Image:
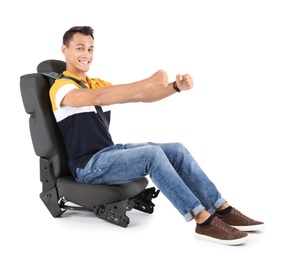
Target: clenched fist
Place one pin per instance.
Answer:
(184, 82)
(158, 80)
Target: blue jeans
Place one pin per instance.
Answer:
(170, 166)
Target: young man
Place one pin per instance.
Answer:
(94, 158)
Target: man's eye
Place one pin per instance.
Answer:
(90, 50)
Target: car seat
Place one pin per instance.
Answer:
(60, 192)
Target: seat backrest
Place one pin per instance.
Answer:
(46, 137)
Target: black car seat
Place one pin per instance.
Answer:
(60, 191)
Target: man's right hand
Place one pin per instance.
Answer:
(158, 80)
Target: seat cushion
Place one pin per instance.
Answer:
(88, 195)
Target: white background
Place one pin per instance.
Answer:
(232, 121)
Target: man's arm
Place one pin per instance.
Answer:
(151, 89)
(183, 82)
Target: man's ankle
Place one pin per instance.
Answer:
(207, 221)
(202, 216)
(225, 211)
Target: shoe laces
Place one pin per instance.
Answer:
(223, 225)
(238, 213)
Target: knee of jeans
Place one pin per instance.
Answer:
(154, 152)
(179, 148)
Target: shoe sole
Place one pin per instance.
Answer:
(250, 228)
(233, 242)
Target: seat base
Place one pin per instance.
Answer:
(114, 213)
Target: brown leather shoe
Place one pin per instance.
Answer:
(220, 232)
(238, 220)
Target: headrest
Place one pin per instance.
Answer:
(51, 65)
(57, 66)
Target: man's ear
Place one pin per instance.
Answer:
(63, 48)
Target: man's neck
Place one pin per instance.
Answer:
(79, 73)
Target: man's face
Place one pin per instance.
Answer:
(79, 53)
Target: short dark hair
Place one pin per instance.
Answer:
(86, 30)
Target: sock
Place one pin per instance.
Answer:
(206, 222)
(225, 211)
